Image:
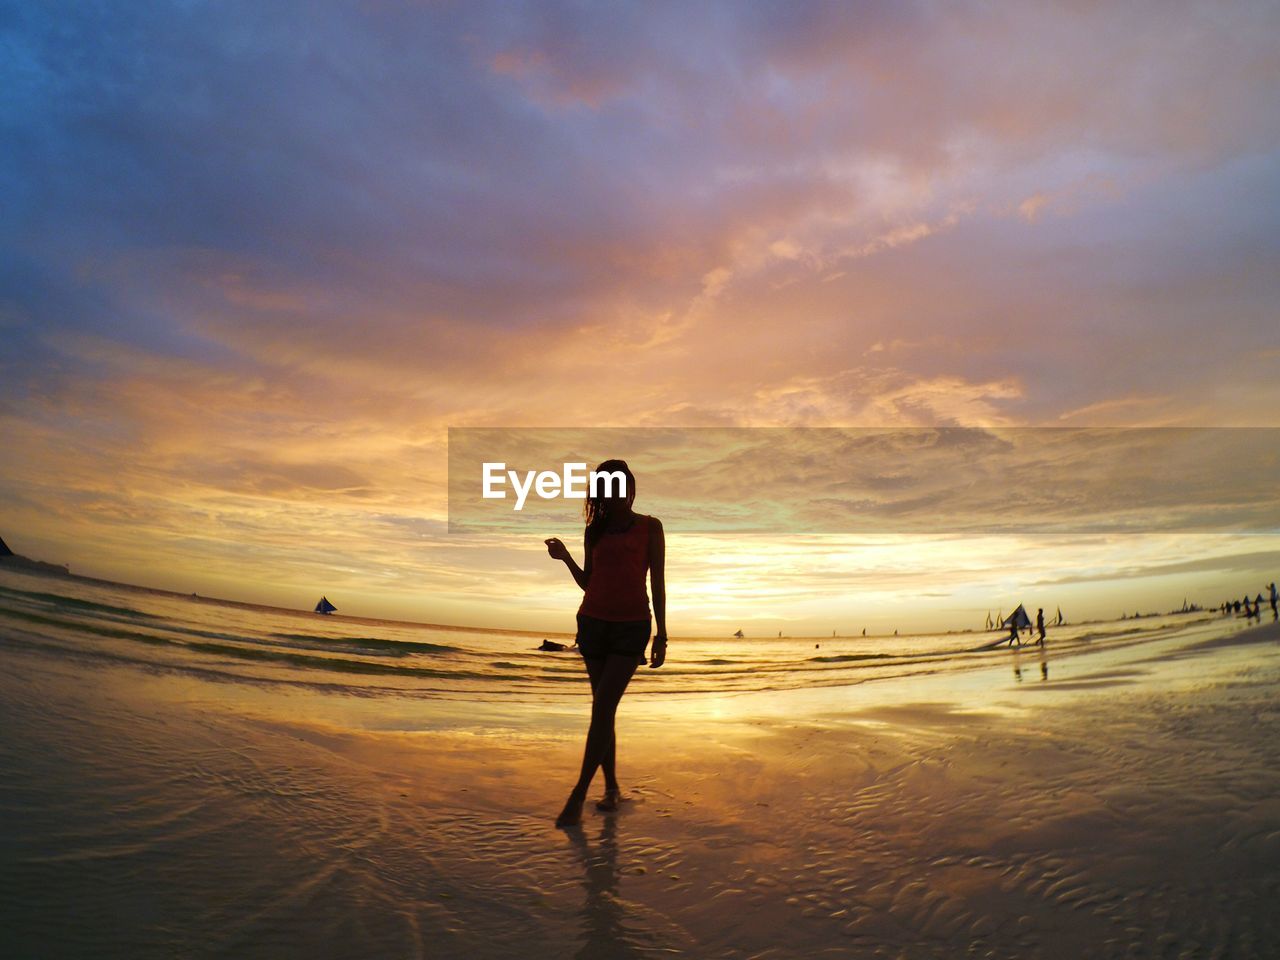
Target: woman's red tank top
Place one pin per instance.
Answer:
(619, 565)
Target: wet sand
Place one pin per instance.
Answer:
(1121, 805)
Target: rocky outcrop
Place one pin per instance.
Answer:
(12, 561)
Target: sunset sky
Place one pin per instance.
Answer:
(258, 258)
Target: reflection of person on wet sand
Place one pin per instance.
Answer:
(620, 547)
(603, 912)
(1017, 664)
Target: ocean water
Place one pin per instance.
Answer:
(372, 658)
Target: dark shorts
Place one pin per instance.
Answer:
(599, 638)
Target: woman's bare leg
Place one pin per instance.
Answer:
(609, 765)
(607, 690)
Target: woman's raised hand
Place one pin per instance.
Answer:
(556, 549)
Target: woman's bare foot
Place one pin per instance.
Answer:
(610, 801)
(571, 815)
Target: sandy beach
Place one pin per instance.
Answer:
(1109, 802)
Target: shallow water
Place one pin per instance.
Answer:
(187, 778)
(378, 658)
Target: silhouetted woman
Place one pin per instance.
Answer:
(620, 546)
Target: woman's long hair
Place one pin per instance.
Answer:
(597, 509)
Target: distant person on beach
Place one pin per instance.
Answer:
(1040, 625)
(620, 547)
(1274, 598)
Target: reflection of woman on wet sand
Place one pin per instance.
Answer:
(604, 913)
(620, 546)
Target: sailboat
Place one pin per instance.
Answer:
(324, 606)
(1016, 622)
